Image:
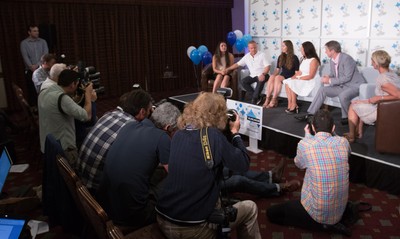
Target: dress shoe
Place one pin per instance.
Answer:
(254, 101)
(277, 172)
(338, 228)
(305, 118)
(344, 121)
(290, 186)
(261, 101)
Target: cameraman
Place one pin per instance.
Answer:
(57, 111)
(192, 188)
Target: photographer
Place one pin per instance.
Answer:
(191, 191)
(57, 111)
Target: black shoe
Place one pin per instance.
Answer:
(261, 100)
(338, 228)
(293, 111)
(304, 117)
(344, 121)
(254, 101)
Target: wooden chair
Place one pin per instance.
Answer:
(95, 214)
(28, 123)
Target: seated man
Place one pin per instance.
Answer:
(258, 66)
(125, 189)
(325, 189)
(102, 135)
(343, 81)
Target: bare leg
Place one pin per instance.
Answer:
(217, 83)
(225, 81)
(360, 129)
(353, 123)
(277, 88)
(269, 89)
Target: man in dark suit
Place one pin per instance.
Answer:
(343, 81)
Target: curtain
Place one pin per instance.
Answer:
(127, 41)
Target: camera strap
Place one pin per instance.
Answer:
(59, 103)
(205, 144)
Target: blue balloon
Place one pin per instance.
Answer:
(207, 58)
(195, 56)
(240, 44)
(231, 38)
(247, 38)
(202, 49)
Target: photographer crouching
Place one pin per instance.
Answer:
(189, 205)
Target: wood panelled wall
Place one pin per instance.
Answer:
(127, 41)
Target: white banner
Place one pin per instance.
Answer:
(250, 118)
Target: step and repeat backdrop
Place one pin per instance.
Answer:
(361, 26)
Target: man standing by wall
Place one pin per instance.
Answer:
(32, 49)
(325, 189)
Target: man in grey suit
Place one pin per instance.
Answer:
(343, 81)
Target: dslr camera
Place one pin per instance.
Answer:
(222, 217)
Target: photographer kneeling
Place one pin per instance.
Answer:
(199, 150)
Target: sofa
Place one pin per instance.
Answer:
(367, 90)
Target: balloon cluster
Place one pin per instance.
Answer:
(237, 39)
(199, 54)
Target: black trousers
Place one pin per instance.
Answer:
(292, 213)
(255, 93)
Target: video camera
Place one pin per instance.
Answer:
(90, 75)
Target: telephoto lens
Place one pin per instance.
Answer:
(231, 113)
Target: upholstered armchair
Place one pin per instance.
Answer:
(387, 131)
(207, 80)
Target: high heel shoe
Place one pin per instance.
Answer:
(293, 111)
(273, 103)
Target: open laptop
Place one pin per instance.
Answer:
(5, 165)
(10, 228)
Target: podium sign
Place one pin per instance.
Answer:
(250, 121)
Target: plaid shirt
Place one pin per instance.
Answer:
(326, 182)
(96, 145)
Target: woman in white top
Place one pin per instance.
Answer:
(387, 88)
(303, 82)
(221, 60)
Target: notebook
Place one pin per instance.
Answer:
(5, 165)
(11, 228)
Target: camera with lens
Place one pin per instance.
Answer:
(222, 217)
(231, 113)
(91, 75)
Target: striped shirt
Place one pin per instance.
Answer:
(95, 147)
(326, 182)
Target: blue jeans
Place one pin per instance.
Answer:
(253, 182)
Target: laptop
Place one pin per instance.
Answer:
(5, 165)
(10, 228)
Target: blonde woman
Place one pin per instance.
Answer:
(190, 193)
(365, 111)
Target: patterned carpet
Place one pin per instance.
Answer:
(381, 222)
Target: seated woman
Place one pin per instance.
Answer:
(288, 64)
(221, 60)
(365, 111)
(303, 82)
